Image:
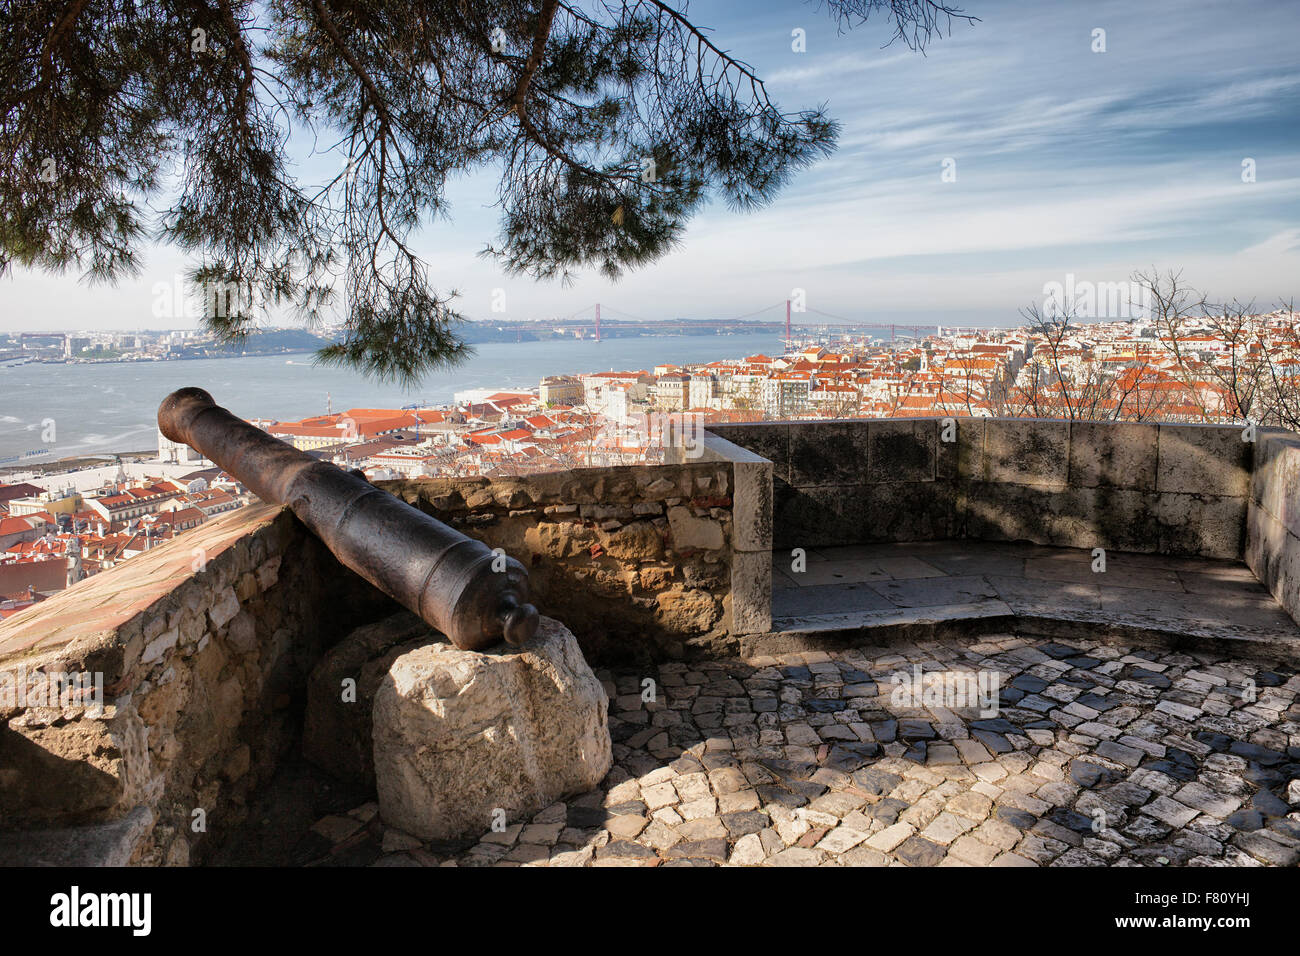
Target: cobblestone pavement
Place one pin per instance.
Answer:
(1097, 756)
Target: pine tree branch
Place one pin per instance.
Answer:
(56, 37)
(241, 52)
(331, 30)
(544, 21)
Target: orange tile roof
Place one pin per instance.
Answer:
(15, 525)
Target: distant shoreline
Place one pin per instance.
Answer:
(157, 361)
(77, 462)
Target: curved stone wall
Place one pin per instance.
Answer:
(1155, 488)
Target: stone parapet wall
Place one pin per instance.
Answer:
(636, 561)
(201, 648)
(1273, 517)
(1169, 489)
(751, 542)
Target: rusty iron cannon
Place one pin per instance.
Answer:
(458, 585)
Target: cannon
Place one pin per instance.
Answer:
(472, 594)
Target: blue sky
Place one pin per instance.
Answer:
(1067, 161)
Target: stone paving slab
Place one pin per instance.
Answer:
(1092, 755)
(871, 588)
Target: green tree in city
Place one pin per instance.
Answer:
(185, 121)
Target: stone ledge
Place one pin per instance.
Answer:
(972, 622)
(93, 621)
(105, 844)
(927, 588)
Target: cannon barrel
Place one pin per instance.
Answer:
(457, 584)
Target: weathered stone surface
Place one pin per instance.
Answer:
(198, 666)
(459, 735)
(341, 690)
(640, 541)
(602, 543)
(769, 440)
(1201, 459)
(687, 610)
(901, 450)
(751, 592)
(1205, 524)
(827, 453)
(690, 531)
(224, 608)
(753, 504)
(82, 770)
(103, 844)
(1272, 548)
(160, 645)
(1073, 484)
(1116, 454)
(1030, 452)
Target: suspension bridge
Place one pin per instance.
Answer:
(586, 322)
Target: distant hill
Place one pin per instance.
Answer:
(475, 332)
(258, 343)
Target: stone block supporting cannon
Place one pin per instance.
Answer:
(456, 584)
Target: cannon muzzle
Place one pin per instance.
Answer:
(457, 584)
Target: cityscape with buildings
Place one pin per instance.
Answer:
(92, 346)
(57, 527)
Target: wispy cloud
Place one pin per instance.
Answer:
(1283, 243)
(1066, 160)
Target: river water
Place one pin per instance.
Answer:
(57, 411)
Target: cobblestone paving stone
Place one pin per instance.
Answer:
(1097, 756)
